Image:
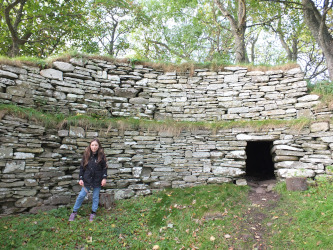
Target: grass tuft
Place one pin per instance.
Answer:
(41, 118)
(261, 67)
(186, 68)
(325, 90)
(60, 121)
(21, 61)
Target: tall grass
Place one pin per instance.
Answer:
(325, 90)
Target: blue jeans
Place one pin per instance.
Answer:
(82, 194)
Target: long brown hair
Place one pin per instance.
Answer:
(88, 153)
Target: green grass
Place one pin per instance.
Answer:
(198, 217)
(23, 60)
(322, 88)
(54, 120)
(162, 65)
(305, 219)
(170, 219)
(325, 90)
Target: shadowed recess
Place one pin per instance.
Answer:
(259, 163)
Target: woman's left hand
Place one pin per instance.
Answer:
(103, 182)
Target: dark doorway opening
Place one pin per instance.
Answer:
(259, 163)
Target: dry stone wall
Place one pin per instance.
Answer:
(39, 166)
(119, 89)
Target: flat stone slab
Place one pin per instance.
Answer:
(296, 184)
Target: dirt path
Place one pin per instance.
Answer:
(262, 200)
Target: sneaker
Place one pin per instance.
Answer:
(92, 217)
(72, 216)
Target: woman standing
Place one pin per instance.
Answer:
(93, 173)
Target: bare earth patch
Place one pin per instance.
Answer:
(255, 223)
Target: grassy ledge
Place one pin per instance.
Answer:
(187, 67)
(61, 121)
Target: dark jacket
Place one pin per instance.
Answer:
(93, 174)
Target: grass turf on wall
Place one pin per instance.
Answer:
(164, 66)
(61, 121)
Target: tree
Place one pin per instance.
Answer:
(181, 31)
(170, 34)
(243, 15)
(297, 41)
(238, 27)
(288, 27)
(252, 40)
(316, 22)
(39, 28)
(112, 22)
(218, 34)
(313, 61)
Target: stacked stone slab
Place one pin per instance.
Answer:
(119, 89)
(39, 166)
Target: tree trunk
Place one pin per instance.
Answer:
(329, 63)
(295, 50)
(238, 28)
(316, 23)
(240, 33)
(14, 49)
(13, 26)
(285, 46)
(240, 46)
(253, 45)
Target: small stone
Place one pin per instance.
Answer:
(296, 184)
(63, 66)
(319, 126)
(6, 153)
(76, 132)
(241, 182)
(8, 74)
(52, 74)
(260, 190)
(27, 202)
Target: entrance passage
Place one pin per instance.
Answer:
(259, 163)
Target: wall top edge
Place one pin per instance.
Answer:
(165, 67)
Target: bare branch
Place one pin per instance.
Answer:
(226, 14)
(263, 23)
(280, 1)
(169, 49)
(241, 13)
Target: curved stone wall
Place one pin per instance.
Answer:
(118, 89)
(39, 166)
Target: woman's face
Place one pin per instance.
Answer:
(94, 146)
